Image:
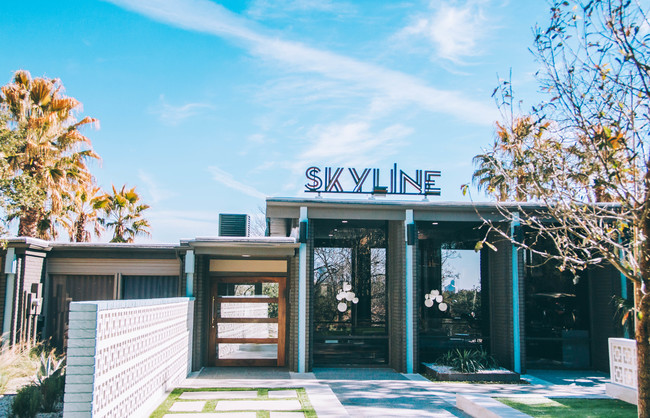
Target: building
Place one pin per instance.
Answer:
(335, 282)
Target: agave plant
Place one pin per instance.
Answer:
(50, 365)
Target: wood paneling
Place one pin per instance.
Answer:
(150, 287)
(214, 320)
(249, 266)
(106, 266)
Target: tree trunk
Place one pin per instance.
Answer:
(28, 226)
(643, 353)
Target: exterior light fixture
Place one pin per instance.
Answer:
(435, 296)
(344, 295)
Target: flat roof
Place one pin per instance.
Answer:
(382, 208)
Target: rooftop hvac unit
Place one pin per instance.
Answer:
(232, 225)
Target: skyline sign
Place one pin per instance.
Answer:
(371, 181)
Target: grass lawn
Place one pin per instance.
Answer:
(262, 394)
(571, 407)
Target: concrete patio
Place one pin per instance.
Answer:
(335, 392)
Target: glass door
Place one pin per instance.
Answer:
(247, 321)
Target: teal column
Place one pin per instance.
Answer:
(409, 294)
(189, 273)
(302, 300)
(516, 333)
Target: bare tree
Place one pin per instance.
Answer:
(582, 155)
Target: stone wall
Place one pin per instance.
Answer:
(124, 355)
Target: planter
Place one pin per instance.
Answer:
(622, 370)
(447, 374)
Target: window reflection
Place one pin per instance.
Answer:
(349, 277)
(451, 298)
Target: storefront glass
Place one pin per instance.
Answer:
(349, 276)
(451, 296)
(557, 317)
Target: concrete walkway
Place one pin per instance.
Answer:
(384, 392)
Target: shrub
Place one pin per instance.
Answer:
(4, 380)
(49, 366)
(52, 388)
(467, 361)
(16, 365)
(27, 402)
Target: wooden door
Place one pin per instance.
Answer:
(247, 321)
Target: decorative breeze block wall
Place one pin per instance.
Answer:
(123, 355)
(622, 362)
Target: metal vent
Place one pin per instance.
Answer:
(233, 225)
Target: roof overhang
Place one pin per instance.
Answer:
(254, 247)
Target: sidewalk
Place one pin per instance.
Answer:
(381, 392)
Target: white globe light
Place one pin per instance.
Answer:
(428, 303)
(355, 300)
(427, 296)
(339, 296)
(347, 286)
(342, 307)
(434, 293)
(442, 307)
(439, 298)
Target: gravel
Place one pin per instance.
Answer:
(5, 404)
(5, 408)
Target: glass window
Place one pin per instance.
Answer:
(349, 276)
(450, 298)
(557, 316)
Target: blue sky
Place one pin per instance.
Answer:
(209, 106)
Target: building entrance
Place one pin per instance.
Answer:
(350, 293)
(247, 321)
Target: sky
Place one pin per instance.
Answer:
(209, 107)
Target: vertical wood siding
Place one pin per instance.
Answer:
(149, 287)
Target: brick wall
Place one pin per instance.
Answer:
(604, 282)
(396, 285)
(201, 305)
(309, 293)
(500, 288)
(416, 317)
(292, 315)
(122, 356)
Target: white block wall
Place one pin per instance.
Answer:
(123, 355)
(622, 362)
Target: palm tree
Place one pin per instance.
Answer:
(82, 212)
(48, 162)
(123, 214)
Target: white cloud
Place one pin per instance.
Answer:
(456, 32)
(351, 145)
(264, 9)
(400, 88)
(228, 180)
(174, 115)
(156, 192)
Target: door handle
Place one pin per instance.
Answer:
(213, 312)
